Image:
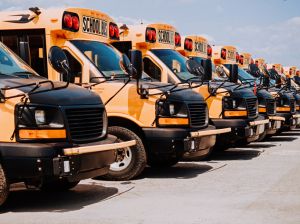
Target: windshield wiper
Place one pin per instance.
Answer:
(23, 74)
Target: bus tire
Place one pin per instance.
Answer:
(4, 186)
(131, 160)
(58, 185)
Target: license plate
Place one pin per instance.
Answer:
(201, 47)
(231, 56)
(166, 37)
(278, 124)
(261, 128)
(94, 26)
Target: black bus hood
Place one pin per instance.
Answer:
(235, 90)
(72, 95)
(179, 93)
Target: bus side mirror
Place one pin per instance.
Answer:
(207, 65)
(195, 68)
(234, 73)
(2, 96)
(136, 59)
(127, 66)
(59, 60)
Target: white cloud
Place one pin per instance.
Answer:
(278, 42)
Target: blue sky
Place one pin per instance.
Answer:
(269, 28)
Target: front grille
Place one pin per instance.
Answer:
(197, 114)
(251, 105)
(293, 106)
(271, 107)
(85, 124)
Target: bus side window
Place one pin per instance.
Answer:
(152, 69)
(11, 41)
(76, 69)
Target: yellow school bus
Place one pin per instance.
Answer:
(167, 122)
(45, 139)
(163, 62)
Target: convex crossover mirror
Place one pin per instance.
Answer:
(195, 68)
(126, 65)
(59, 60)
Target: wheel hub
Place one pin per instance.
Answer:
(124, 158)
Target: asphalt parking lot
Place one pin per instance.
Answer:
(259, 183)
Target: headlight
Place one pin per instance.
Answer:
(171, 109)
(233, 104)
(40, 117)
(172, 113)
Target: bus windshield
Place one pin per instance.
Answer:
(12, 65)
(102, 55)
(175, 62)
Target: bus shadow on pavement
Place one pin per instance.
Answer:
(236, 154)
(38, 201)
(182, 170)
(290, 134)
(281, 138)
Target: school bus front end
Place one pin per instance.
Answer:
(53, 134)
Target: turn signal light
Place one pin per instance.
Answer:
(188, 44)
(223, 53)
(70, 21)
(209, 50)
(237, 56)
(150, 35)
(177, 40)
(114, 31)
(241, 60)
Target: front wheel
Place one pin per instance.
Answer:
(131, 161)
(4, 186)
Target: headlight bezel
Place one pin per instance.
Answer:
(230, 103)
(176, 112)
(53, 121)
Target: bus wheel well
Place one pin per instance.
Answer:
(123, 122)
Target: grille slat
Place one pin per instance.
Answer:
(251, 105)
(197, 114)
(271, 107)
(85, 124)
